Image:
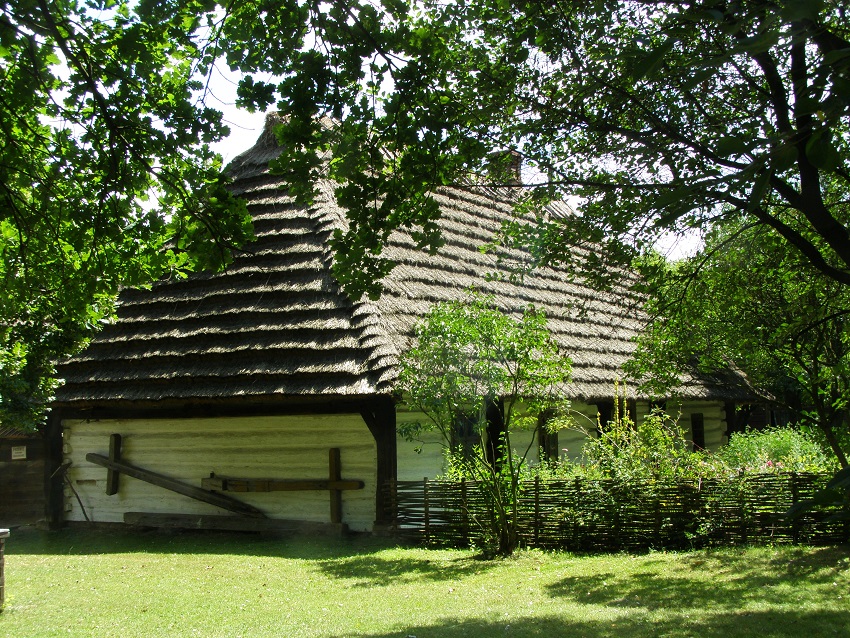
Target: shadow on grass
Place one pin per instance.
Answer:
(83, 541)
(737, 578)
(353, 558)
(375, 571)
(766, 624)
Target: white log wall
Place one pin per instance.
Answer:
(430, 462)
(584, 418)
(714, 415)
(283, 447)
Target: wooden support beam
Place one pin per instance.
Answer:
(113, 476)
(333, 484)
(54, 489)
(380, 417)
(165, 482)
(225, 484)
(334, 473)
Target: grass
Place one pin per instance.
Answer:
(94, 583)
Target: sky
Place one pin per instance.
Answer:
(245, 127)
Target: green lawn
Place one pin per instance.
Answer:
(77, 583)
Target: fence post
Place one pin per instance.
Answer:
(577, 540)
(425, 507)
(743, 499)
(795, 497)
(464, 512)
(537, 522)
(657, 521)
(4, 534)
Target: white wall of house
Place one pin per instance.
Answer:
(430, 462)
(280, 447)
(423, 457)
(714, 417)
(583, 420)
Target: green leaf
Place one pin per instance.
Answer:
(783, 157)
(729, 145)
(797, 10)
(759, 189)
(821, 151)
(653, 60)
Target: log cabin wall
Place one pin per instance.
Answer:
(713, 419)
(268, 447)
(429, 462)
(22, 480)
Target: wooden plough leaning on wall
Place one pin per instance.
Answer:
(247, 517)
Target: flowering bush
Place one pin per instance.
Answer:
(775, 450)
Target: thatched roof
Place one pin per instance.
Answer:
(276, 324)
(13, 433)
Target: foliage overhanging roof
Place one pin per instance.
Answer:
(276, 324)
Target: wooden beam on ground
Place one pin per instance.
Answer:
(231, 523)
(219, 500)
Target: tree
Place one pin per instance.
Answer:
(106, 175)
(475, 370)
(747, 300)
(657, 115)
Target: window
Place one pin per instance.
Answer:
(465, 433)
(698, 431)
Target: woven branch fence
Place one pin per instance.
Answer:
(609, 515)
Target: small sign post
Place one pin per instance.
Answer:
(19, 453)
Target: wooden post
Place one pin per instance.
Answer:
(537, 510)
(54, 487)
(335, 474)
(657, 521)
(796, 520)
(742, 511)
(4, 534)
(113, 475)
(380, 418)
(464, 505)
(425, 505)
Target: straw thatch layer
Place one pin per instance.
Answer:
(276, 323)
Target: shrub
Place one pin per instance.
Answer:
(655, 448)
(775, 450)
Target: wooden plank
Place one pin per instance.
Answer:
(224, 484)
(113, 476)
(334, 471)
(219, 500)
(54, 479)
(230, 523)
(266, 446)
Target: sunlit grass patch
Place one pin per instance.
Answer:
(82, 583)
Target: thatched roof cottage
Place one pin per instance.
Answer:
(256, 372)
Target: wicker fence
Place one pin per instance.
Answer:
(581, 514)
